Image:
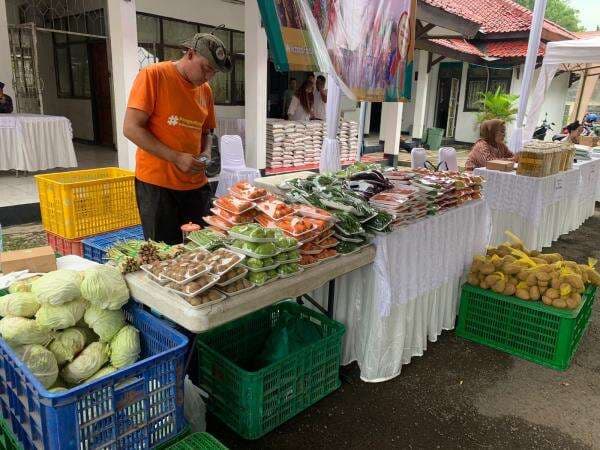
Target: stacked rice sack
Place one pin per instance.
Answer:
(511, 269)
(68, 326)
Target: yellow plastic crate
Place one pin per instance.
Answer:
(81, 203)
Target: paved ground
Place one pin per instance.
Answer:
(458, 395)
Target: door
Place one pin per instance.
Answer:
(452, 107)
(375, 124)
(101, 95)
(24, 59)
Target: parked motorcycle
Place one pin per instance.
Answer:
(540, 132)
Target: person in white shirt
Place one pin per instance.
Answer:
(320, 107)
(301, 106)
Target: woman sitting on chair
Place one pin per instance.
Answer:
(573, 132)
(490, 145)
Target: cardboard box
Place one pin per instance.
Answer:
(590, 141)
(39, 259)
(500, 165)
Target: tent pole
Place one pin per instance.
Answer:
(581, 89)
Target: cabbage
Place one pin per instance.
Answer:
(20, 331)
(104, 322)
(105, 287)
(125, 347)
(20, 304)
(67, 344)
(86, 364)
(59, 317)
(58, 287)
(40, 361)
(22, 285)
(102, 373)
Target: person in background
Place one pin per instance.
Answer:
(6, 104)
(490, 145)
(320, 104)
(170, 116)
(573, 132)
(301, 106)
(288, 94)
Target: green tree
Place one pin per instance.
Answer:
(560, 12)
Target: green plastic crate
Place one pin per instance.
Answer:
(171, 443)
(198, 441)
(530, 330)
(8, 441)
(254, 403)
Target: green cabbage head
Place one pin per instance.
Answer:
(21, 331)
(86, 364)
(68, 343)
(22, 285)
(125, 347)
(105, 287)
(40, 361)
(102, 373)
(104, 322)
(58, 287)
(59, 317)
(20, 304)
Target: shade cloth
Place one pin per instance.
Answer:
(34, 142)
(331, 160)
(539, 210)
(410, 293)
(568, 54)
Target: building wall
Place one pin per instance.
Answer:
(210, 12)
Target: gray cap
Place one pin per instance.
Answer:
(212, 48)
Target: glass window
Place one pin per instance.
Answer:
(148, 30)
(483, 79)
(95, 22)
(238, 81)
(80, 70)
(175, 32)
(172, 53)
(238, 42)
(63, 72)
(474, 89)
(220, 87)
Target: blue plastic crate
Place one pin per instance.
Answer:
(140, 406)
(95, 248)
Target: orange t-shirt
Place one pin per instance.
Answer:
(179, 113)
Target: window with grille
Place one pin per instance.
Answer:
(160, 38)
(485, 79)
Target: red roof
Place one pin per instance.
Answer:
(587, 34)
(516, 48)
(497, 16)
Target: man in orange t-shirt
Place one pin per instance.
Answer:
(170, 117)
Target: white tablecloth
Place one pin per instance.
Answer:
(33, 142)
(410, 294)
(538, 210)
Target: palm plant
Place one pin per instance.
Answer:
(497, 105)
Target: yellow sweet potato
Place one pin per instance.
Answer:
(533, 253)
(510, 289)
(559, 303)
(473, 279)
(555, 283)
(512, 268)
(523, 294)
(574, 280)
(487, 269)
(532, 279)
(546, 300)
(484, 285)
(550, 257)
(478, 261)
(573, 303)
(552, 293)
(499, 286)
(542, 276)
(534, 293)
(492, 279)
(543, 289)
(523, 274)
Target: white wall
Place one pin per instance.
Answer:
(209, 12)
(78, 111)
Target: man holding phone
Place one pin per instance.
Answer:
(170, 117)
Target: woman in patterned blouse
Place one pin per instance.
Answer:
(490, 145)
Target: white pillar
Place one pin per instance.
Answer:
(122, 28)
(383, 120)
(6, 75)
(255, 43)
(368, 119)
(392, 120)
(421, 95)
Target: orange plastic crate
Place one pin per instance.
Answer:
(82, 203)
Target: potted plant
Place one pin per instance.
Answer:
(497, 105)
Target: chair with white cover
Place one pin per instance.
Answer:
(418, 156)
(447, 155)
(233, 165)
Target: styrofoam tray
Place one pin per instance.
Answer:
(289, 261)
(267, 282)
(295, 274)
(236, 254)
(241, 291)
(153, 277)
(214, 211)
(234, 279)
(207, 305)
(200, 291)
(327, 259)
(262, 269)
(242, 237)
(341, 230)
(218, 204)
(191, 278)
(308, 266)
(327, 246)
(251, 254)
(347, 239)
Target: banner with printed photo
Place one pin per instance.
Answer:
(368, 43)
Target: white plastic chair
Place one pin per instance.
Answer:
(447, 155)
(233, 165)
(418, 156)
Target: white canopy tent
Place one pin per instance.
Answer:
(575, 55)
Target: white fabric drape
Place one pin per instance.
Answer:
(540, 210)
(410, 294)
(563, 53)
(361, 129)
(330, 151)
(537, 23)
(35, 142)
